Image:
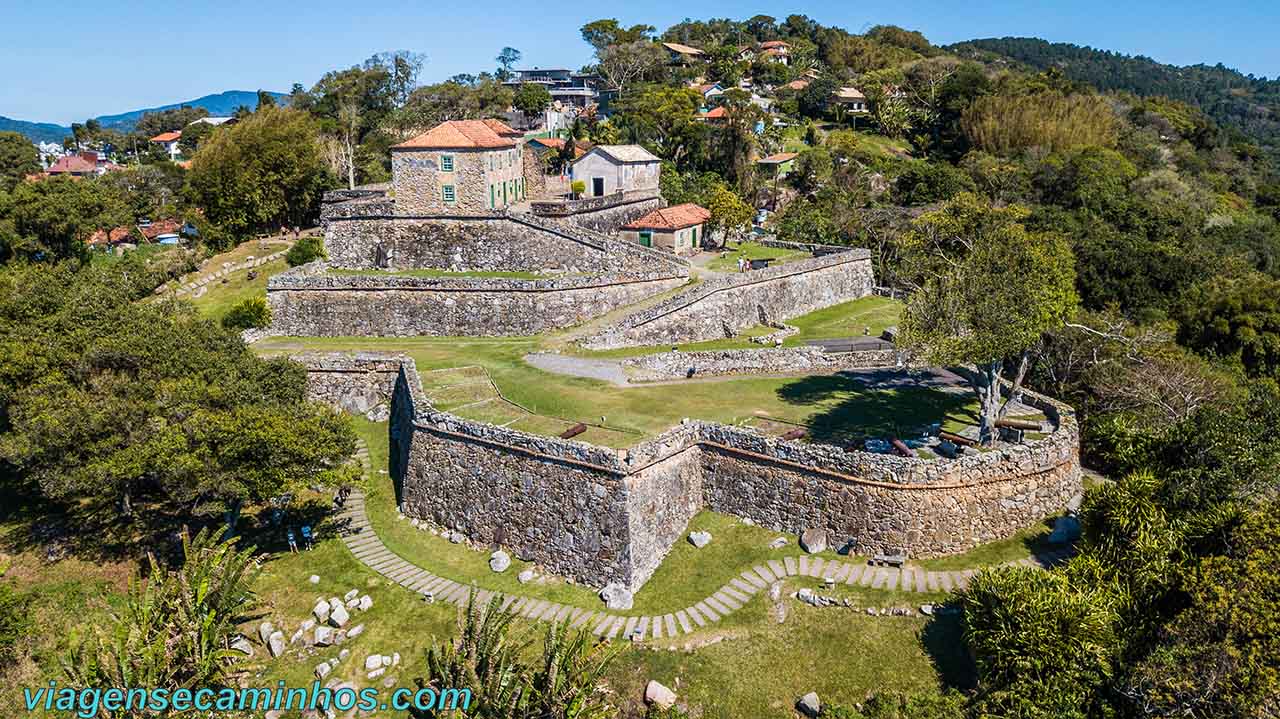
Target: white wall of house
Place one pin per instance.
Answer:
(617, 176)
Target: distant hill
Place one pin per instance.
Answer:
(35, 131)
(223, 103)
(1234, 100)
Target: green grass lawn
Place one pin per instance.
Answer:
(836, 407)
(225, 293)
(847, 319)
(728, 261)
(1019, 546)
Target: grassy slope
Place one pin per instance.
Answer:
(728, 262)
(847, 319)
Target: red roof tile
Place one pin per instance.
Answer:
(462, 135)
(167, 136)
(714, 113)
(778, 158)
(71, 164)
(797, 85)
(676, 217)
(770, 44)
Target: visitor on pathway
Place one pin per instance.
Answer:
(306, 537)
(293, 543)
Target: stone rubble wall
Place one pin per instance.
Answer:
(306, 301)
(512, 243)
(600, 515)
(602, 214)
(360, 384)
(720, 307)
(780, 360)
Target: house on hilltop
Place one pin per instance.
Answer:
(683, 54)
(610, 169)
(677, 229)
(459, 167)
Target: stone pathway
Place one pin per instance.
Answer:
(369, 549)
(601, 369)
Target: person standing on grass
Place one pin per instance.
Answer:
(307, 542)
(293, 542)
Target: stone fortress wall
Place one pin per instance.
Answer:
(601, 515)
(720, 307)
(308, 301)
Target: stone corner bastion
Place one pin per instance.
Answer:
(602, 515)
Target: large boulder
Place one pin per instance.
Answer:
(499, 561)
(265, 630)
(700, 539)
(324, 636)
(616, 596)
(813, 540)
(321, 611)
(243, 646)
(809, 705)
(655, 693)
(365, 604)
(339, 616)
(275, 643)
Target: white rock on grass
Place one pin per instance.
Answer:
(321, 611)
(366, 603)
(265, 630)
(778, 543)
(616, 596)
(322, 670)
(700, 539)
(314, 579)
(351, 595)
(813, 540)
(355, 631)
(525, 577)
(376, 673)
(242, 645)
(275, 643)
(655, 693)
(324, 636)
(499, 561)
(809, 705)
(373, 661)
(339, 616)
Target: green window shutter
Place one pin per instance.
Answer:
(446, 163)
(449, 194)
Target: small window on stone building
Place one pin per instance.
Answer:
(446, 163)
(448, 194)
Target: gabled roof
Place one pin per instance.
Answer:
(625, 153)
(715, 113)
(770, 44)
(681, 49)
(849, 93)
(777, 158)
(167, 136)
(676, 217)
(463, 135)
(797, 85)
(71, 164)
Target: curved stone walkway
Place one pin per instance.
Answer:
(367, 547)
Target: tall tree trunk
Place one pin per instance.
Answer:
(986, 385)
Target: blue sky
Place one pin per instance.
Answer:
(70, 60)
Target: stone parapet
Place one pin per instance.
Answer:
(601, 515)
(783, 360)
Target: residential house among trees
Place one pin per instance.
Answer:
(459, 167)
(851, 98)
(169, 141)
(683, 54)
(776, 51)
(569, 88)
(609, 169)
(677, 229)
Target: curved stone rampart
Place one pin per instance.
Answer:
(601, 515)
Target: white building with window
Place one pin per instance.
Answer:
(610, 169)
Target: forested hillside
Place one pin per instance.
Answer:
(1242, 102)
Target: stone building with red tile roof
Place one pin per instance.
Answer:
(678, 229)
(459, 167)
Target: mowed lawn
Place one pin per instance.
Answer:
(728, 260)
(838, 407)
(860, 317)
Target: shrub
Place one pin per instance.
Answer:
(248, 314)
(577, 187)
(1007, 125)
(305, 250)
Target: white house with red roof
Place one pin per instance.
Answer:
(169, 141)
(678, 229)
(610, 169)
(459, 167)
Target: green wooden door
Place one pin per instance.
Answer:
(646, 239)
